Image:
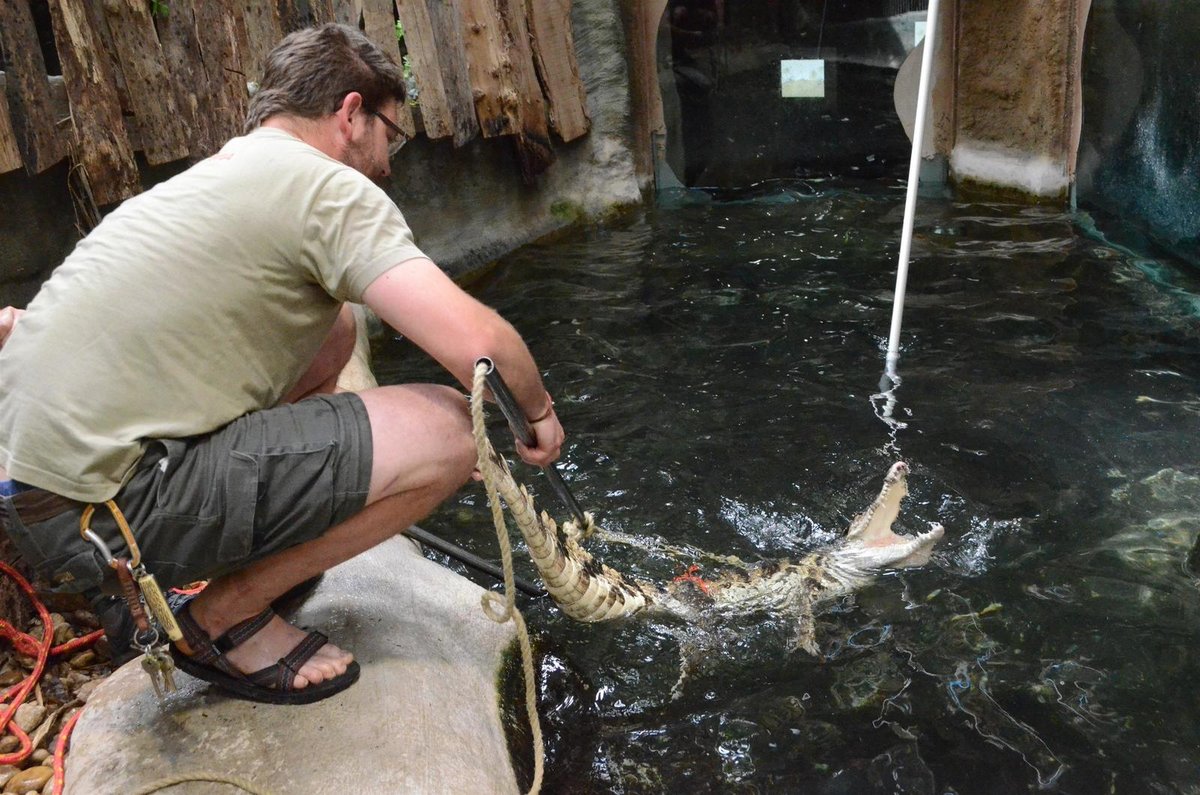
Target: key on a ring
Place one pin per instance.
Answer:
(151, 666)
(158, 664)
(166, 667)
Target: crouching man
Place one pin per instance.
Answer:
(181, 363)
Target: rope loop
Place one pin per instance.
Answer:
(494, 607)
(497, 608)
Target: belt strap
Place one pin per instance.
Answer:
(38, 505)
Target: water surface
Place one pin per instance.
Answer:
(717, 367)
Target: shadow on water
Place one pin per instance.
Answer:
(717, 367)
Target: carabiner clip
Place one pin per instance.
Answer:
(85, 530)
(90, 535)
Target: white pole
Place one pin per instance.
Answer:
(914, 175)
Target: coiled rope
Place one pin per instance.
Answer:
(12, 698)
(41, 650)
(208, 778)
(504, 609)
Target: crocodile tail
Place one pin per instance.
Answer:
(583, 588)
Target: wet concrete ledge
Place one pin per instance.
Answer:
(423, 718)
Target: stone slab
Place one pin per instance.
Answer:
(423, 718)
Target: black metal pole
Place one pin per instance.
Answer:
(524, 431)
(469, 559)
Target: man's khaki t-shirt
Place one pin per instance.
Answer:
(203, 299)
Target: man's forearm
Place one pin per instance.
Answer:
(516, 366)
(9, 316)
(423, 304)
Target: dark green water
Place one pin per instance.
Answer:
(717, 368)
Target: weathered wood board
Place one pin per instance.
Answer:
(322, 11)
(643, 20)
(554, 56)
(164, 134)
(217, 37)
(483, 37)
(446, 23)
(263, 32)
(289, 15)
(102, 146)
(508, 99)
(517, 63)
(379, 25)
(524, 92)
(31, 112)
(108, 53)
(421, 42)
(10, 155)
(195, 90)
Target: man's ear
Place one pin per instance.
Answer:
(352, 103)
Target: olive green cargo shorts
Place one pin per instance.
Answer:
(212, 504)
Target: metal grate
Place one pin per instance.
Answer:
(896, 7)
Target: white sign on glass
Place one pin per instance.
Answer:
(804, 78)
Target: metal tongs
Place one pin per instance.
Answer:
(524, 432)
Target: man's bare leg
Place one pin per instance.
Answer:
(423, 454)
(322, 374)
(400, 494)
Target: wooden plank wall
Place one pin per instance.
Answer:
(433, 38)
(379, 24)
(163, 134)
(174, 86)
(10, 155)
(102, 145)
(30, 107)
(550, 27)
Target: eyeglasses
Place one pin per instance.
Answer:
(400, 140)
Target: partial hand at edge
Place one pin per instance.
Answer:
(9, 316)
(550, 436)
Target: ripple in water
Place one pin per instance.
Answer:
(717, 368)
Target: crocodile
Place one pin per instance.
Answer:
(587, 590)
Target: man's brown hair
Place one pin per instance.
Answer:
(311, 71)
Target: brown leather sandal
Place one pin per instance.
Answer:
(204, 658)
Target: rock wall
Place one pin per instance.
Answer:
(37, 222)
(1140, 155)
(37, 226)
(1018, 94)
